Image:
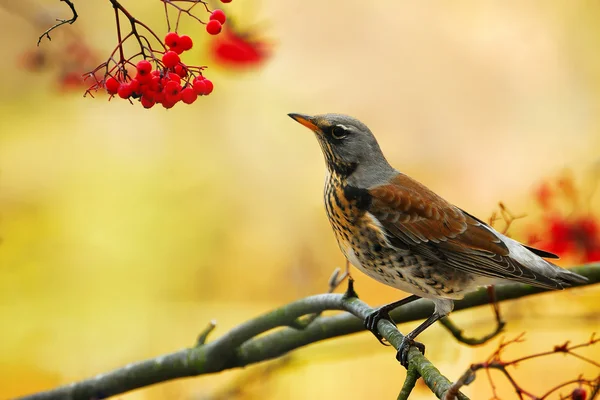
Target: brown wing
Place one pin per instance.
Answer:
(424, 221)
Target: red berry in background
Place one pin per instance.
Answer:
(144, 67)
(588, 226)
(147, 102)
(239, 49)
(213, 27)
(112, 85)
(172, 39)
(124, 91)
(544, 195)
(592, 255)
(170, 59)
(209, 87)
(188, 95)
(225, 1)
(579, 394)
(185, 42)
(218, 15)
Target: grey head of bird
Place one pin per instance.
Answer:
(349, 146)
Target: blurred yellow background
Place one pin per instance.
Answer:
(126, 230)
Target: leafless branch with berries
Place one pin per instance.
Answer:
(495, 362)
(155, 73)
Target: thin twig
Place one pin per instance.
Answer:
(495, 362)
(471, 341)
(60, 22)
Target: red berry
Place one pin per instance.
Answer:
(218, 15)
(225, 1)
(181, 70)
(169, 102)
(173, 77)
(159, 97)
(112, 85)
(579, 394)
(135, 86)
(170, 59)
(172, 39)
(124, 91)
(172, 88)
(199, 86)
(185, 42)
(188, 95)
(213, 27)
(209, 87)
(144, 67)
(143, 78)
(147, 102)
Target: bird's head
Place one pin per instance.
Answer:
(347, 143)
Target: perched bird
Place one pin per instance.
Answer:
(402, 234)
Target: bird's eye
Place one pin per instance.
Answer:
(339, 132)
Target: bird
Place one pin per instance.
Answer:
(402, 234)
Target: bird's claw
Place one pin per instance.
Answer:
(373, 319)
(405, 345)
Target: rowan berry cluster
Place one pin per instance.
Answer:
(157, 75)
(169, 83)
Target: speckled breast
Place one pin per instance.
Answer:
(363, 241)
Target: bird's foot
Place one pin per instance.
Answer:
(373, 319)
(404, 348)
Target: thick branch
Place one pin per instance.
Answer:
(240, 347)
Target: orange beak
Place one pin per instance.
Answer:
(305, 120)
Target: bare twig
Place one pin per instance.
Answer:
(60, 22)
(458, 333)
(412, 376)
(495, 362)
(471, 341)
(506, 216)
(335, 280)
(204, 334)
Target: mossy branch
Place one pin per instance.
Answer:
(240, 346)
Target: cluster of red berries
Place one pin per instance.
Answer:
(171, 82)
(575, 234)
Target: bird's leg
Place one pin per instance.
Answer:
(409, 340)
(348, 270)
(384, 313)
(336, 280)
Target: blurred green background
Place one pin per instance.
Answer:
(126, 230)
